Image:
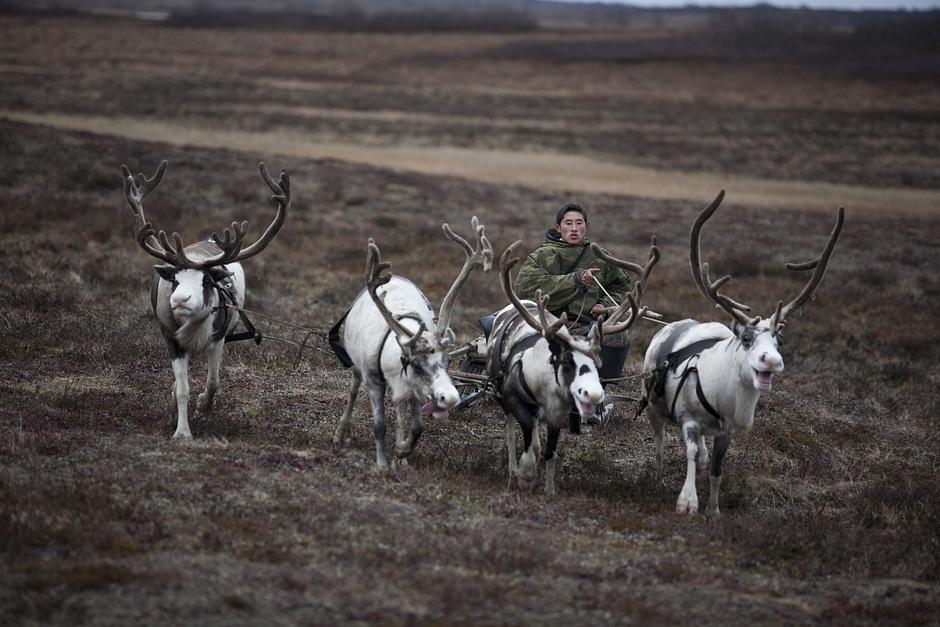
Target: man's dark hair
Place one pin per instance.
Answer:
(570, 207)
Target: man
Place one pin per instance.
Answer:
(568, 272)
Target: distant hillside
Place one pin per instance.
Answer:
(758, 29)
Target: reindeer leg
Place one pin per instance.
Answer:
(511, 448)
(721, 444)
(701, 463)
(214, 359)
(341, 436)
(417, 426)
(377, 398)
(401, 415)
(181, 393)
(657, 424)
(527, 474)
(551, 443)
(688, 498)
(404, 448)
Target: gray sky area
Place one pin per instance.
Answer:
(920, 5)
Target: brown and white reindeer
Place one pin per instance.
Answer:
(191, 291)
(706, 379)
(393, 340)
(542, 371)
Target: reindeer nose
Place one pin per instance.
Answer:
(586, 395)
(448, 400)
(181, 298)
(771, 361)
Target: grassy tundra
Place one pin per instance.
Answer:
(830, 505)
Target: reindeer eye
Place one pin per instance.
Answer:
(747, 337)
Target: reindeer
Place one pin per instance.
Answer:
(706, 378)
(542, 370)
(191, 292)
(392, 340)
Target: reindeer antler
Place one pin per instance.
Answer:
(481, 255)
(820, 264)
(159, 245)
(737, 310)
(616, 323)
(706, 286)
(375, 278)
(506, 263)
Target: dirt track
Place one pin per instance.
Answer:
(541, 170)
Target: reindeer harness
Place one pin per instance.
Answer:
(495, 368)
(226, 298)
(667, 361)
(340, 351)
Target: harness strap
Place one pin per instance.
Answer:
(498, 376)
(701, 397)
(657, 381)
(404, 362)
(698, 392)
(226, 297)
(251, 333)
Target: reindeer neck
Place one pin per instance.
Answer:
(719, 370)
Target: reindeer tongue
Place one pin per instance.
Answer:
(585, 409)
(431, 408)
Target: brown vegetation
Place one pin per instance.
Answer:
(830, 505)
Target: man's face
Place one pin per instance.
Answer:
(572, 227)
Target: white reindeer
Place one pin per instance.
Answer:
(706, 379)
(393, 340)
(191, 292)
(542, 370)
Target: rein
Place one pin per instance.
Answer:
(227, 301)
(321, 333)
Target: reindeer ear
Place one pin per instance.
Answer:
(219, 273)
(166, 271)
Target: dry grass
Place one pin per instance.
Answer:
(831, 507)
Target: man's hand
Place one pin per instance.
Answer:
(587, 277)
(597, 310)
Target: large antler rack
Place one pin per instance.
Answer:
(481, 255)
(706, 286)
(506, 263)
(616, 323)
(158, 244)
(375, 278)
(739, 311)
(819, 266)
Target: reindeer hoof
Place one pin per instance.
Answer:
(403, 451)
(182, 435)
(526, 483)
(341, 436)
(686, 507)
(402, 465)
(204, 403)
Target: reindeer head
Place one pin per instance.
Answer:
(194, 270)
(757, 340)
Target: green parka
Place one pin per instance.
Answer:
(552, 268)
